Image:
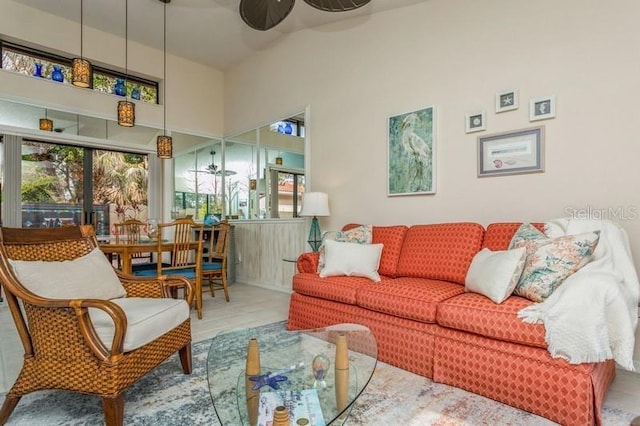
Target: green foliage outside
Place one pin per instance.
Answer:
(55, 173)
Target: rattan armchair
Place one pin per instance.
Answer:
(62, 348)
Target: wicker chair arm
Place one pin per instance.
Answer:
(81, 307)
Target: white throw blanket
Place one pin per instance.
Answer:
(592, 316)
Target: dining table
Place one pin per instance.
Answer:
(126, 250)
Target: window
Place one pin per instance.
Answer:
(39, 64)
(66, 184)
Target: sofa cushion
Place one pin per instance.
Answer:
(495, 274)
(351, 259)
(476, 314)
(441, 251)
(391, 238)
(499, 235)
(411, 298)
(340, 289)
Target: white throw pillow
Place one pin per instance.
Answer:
(362, 234)
(351, 259)
(87, 277)
(495, 274)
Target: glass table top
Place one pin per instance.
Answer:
(318, 373)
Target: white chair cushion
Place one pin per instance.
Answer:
(87, 277)
(147, 319)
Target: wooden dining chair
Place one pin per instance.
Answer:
(130, 232)
(186, 239)
(214, 265)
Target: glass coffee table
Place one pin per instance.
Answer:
(318, 373)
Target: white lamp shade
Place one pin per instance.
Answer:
(315, 204)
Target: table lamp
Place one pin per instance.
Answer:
(315, 204)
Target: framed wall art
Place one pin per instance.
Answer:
(506, 100)
(411, 153)
(475, 122)
(542, 108)
(517, 152)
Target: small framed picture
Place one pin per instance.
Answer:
(542, 108)
(475, 122)
(506, 100)
(509, 153)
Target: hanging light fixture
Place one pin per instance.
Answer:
(45, 123)
(82, 73)
(126, 108)
(164, 143)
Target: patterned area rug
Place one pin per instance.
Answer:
(167, 397)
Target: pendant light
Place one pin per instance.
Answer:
(126, 108)
(82, 72)
(45, 123)
(164, 143)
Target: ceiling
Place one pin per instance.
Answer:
(210, 32)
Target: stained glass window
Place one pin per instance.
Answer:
(38, 64)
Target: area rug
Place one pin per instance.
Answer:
(167, 397)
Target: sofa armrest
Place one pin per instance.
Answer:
(308, 262)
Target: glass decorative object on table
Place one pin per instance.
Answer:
(152, 229)
(319, 367)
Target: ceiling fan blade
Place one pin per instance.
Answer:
(336, 5)
(263, 15)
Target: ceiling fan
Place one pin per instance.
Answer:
(263, 15)
(214, 169)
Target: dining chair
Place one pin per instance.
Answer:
(185, 238)
(130, 232)
(84, 326)
(214, 264)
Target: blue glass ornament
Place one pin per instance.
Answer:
(38, 70)
(57, 75)
(119, 88)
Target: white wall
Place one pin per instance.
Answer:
(194, 91)
(456, 54)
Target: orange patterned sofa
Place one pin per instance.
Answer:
(425, 323)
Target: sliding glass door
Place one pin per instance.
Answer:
(71, 185)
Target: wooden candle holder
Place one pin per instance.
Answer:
(252, 369)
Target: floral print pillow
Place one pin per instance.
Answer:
(550, 261)
(526, 232)
(362, 234)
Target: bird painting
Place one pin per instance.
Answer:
(411, 153)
